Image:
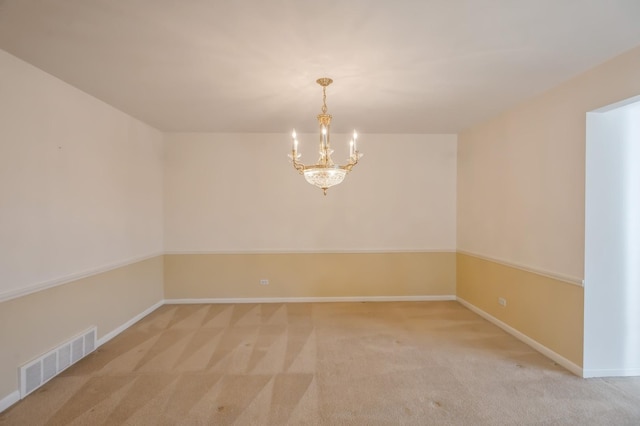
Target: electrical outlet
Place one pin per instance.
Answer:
(264, 281)
(502, 301)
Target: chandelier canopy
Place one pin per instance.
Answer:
(325, 173)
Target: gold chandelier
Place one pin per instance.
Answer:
(325, 173)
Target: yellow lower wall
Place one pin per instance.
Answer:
(34, 324)
(202, 276)
(547, 310)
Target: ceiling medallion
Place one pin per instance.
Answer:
(325, 173)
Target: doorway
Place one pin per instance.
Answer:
(612, 241)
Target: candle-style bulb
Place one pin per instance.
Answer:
(355, 135)
(295, 140)
(324, 130)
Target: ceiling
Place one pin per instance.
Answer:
(407, 66)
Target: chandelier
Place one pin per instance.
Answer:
(325, 173)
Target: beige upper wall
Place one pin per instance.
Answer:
(80, 182)
(239, 193)
(521, 176)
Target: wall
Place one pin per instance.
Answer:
(521, 198)
(305, 275)
(82, 224)
(80, 215)
(612, 242)
(236, 194)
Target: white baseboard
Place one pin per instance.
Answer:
(9, 400)
(313, 299)
(110, 335)
(303, 251)
(575, 369)
(627, 372)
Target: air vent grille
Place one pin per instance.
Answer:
(49, 366)
(33, 377)
(39, 371)
(77, 350)
(64, 356)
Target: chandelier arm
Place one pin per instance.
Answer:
(348, 167)
(297, 165)
(352, 162)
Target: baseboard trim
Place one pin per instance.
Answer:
(312, 299)
(569, 365)
(308, 251)
(110, 335)
(627, 372)
(9, 400)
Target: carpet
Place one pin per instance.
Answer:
(404, 363)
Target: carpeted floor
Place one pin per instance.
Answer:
(431, 363)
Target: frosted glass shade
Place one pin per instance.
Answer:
(324, 177)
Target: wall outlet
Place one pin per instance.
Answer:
(502, 301)
(264, 281)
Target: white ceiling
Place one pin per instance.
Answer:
(403, 66)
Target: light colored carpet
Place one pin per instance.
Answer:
(429, 363)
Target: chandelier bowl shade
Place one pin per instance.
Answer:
(325, 177)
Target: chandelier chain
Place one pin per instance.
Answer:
(324, 99)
